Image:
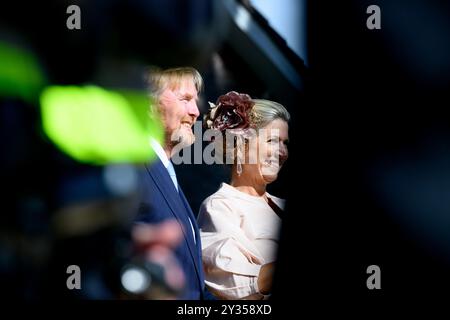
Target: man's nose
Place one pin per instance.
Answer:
(193, 109)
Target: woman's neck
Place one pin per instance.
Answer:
(247, 184)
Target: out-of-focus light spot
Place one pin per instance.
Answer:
(135, 280)
(257, 35)
(20, 73)
(121, 179)
(98, 126)
(242, 18)
(288, 18)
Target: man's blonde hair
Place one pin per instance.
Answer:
(158, 80)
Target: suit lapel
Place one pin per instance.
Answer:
(191, 215)
(165, 185)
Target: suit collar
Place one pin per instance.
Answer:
(175, 201)
(191, 215)
(159, 152)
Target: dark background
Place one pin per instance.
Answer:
(367, 181)
(372, 174)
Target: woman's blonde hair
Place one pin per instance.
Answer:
(266, 111)
(262, 113)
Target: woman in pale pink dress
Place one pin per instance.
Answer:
(239, 224)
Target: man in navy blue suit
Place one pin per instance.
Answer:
(175, 94)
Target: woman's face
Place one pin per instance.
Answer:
(270, 151)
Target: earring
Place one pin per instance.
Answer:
(239, 157)
(239, 169)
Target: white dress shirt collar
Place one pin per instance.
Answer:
(160, 152)
(166, 162)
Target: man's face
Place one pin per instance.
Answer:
(179, 111)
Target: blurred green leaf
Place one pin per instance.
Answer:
(98, 126)
(20, 73)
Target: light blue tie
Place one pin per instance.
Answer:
(172, 174)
